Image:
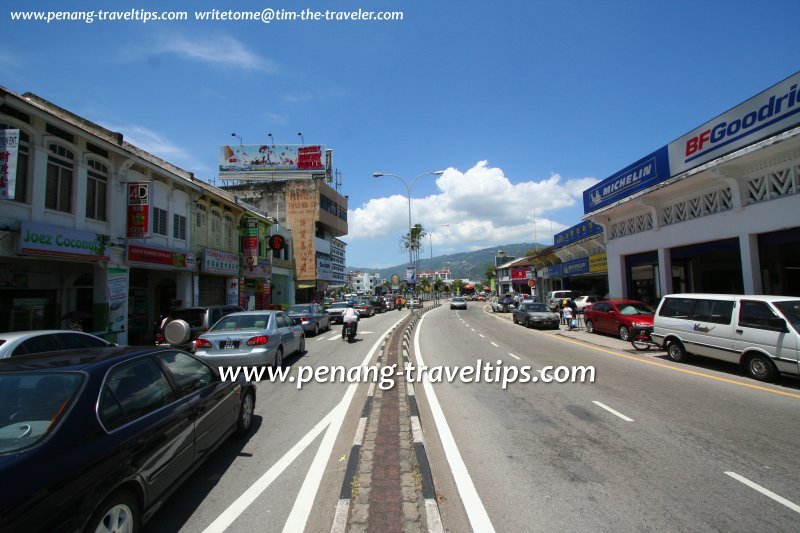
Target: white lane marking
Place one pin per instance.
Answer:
(514, 356)
(766, 492)
(473, 329)
(481, 335)
(476, 512)
(493, 344)
(235, 509)
(613, 412)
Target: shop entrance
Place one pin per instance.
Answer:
(713, 267)
(779, 256)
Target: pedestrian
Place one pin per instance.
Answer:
(567, 314)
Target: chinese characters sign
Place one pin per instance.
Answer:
(9, 144)
(250, 241)
(138, 210)
(301, 209)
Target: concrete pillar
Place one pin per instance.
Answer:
(617, 276)
(751, 266)
(664, 272)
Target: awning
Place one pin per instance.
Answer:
(306, 285)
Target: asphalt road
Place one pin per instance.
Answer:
(688, 447)
(287, 474)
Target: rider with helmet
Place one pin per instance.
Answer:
(350, 316)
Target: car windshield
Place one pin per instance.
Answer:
(537, 308)
(340, 305)
(791, 310)
(193, 317)
(299, 309)
(457, 299)
(635, 308)
(31, 404)
(237, 322)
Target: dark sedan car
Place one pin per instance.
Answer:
(96, 439)
(534, 314)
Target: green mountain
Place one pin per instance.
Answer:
(464, 265)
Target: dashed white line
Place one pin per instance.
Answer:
(481, 335)
(766, 492)
(612, 411)
(473, 329)
(494, 344)
(514, 356)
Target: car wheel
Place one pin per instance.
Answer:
(246, 410)
(119, 513)
(761, 368)
(316, 329)
(278, 358)
(589, 326)
(302, 349)
(514, 318)
(624, 334)
(676, 352)
(528, 324)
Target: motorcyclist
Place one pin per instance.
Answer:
(350, 316)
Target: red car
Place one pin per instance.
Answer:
(617, 317)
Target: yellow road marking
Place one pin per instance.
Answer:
(663, 365)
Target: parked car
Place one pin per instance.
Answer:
(617, 317)
(95, 439)
(183, 325)
(390, 302)
(760, 333)
(377, 303)
(496, 305)
(364, 309)
(327, 302)
(414, 303)
(335, 311)
(536, 314)
(582, 301)
(554, 298)
(251, 338)
(458, 303)
(14, 343)
(312, 317)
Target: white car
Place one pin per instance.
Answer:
(583, 301)
(15, 343)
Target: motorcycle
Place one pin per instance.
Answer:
(349, 331)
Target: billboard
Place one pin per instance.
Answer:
(254, 159)
(649, 170)
(138, 210)
(576, 233)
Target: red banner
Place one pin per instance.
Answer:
(156, 256)
(138, 210)
(519, 274)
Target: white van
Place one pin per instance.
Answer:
(760, 333)
(554, 298)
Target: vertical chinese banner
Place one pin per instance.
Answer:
(250, 242)
(138, 210)
(9, 146)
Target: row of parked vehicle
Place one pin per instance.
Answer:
(96, 436)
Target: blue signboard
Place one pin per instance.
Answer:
(576, 233)
(554, 271)
(648, 171)
(573, 268)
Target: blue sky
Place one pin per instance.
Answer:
(523, 103)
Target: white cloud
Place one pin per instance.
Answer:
(481, 207)
(158, 145)
(219, 50)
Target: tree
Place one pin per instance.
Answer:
(425, 285)
(412, 241)
(457, 286)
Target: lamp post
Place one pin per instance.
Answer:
(433, 272)
(409, 186)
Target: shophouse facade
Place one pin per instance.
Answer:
(582, 264)
(716, 210)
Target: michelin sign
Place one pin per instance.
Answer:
(769, 112)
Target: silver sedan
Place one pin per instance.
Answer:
(251, 338)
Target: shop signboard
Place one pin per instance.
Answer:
(598, 262)
(9, 147)
(232, 291)
(39, 239)
(257, 160)
(263, 270)
(649, 170)
(576, 233)
(395, 282)
(573, 268)
(138, 210)
(553, 271)
(250, 241)
(324, 269)
(519, 274)
(216, 262)
(117, 298)
(160, 258)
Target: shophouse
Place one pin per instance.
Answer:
(582, 258)
(716, 210)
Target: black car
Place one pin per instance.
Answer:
(96, 439)
(378, 303)
(532, 314)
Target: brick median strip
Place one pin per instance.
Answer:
(388, 486)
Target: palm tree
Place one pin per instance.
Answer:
(412, 241)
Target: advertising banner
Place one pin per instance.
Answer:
(216, 262)
(262, 270)
(771, 111)
(156, 257)
(250, 241)
(324, 269)
(40, 239)
(572, 268)
(117, 298)
(139, 210)
(9, 148)
(648, 171)
(302, 202)
(519, 274)
(598, 262)
(255, 159)
(395, 282)
(232, 291)
(576, 233)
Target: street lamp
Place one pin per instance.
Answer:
(430, 241)
(409, 186)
